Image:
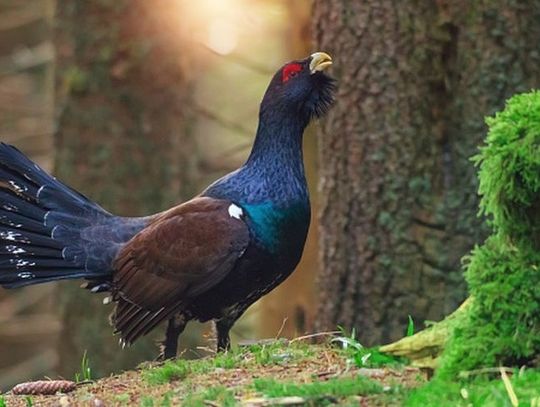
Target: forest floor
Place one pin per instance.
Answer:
(290, 373)
(273, 373)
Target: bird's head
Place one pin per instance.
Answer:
(301, 88)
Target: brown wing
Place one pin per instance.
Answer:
(180, 254)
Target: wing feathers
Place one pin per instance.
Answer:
(179, 255)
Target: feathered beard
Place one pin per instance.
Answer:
(321, 98)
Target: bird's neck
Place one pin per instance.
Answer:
(276, 157)
(274, 172)
(278, 144)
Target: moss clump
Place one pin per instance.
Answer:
(503, 324)
(510, 171)
(340, 387)
(478, 392)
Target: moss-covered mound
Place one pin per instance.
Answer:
(510, 171)
(502, 327)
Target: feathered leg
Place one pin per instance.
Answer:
(169, 346)
(223, 326)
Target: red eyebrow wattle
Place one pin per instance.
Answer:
(287, 70)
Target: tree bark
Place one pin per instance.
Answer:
(399, 203)
(123, 139)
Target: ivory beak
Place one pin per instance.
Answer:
(319, 62)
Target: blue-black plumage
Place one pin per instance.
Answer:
(206, 259)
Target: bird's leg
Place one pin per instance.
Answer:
(169, 346)
(223, 326)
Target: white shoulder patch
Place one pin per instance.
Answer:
(235, 211)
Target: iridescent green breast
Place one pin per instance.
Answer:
(279, 229)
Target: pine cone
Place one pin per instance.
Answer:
(44, 387)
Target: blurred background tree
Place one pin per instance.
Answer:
(398, 192)
(124, 77)
(29, 326)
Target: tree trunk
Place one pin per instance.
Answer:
(122, 139)
(398, 192)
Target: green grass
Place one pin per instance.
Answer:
(219, 395)
(122, 398)
(169, 371)
(362, 356)
(166, 401)
(226, 360)
(86, 372)
(410, 326)
(278, 352)
(340, 387)
(3, 401)
(180, 368)
(147, 401)
(250, 359)
(478, 392)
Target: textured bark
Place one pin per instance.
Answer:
(122, 139)
(399, 203)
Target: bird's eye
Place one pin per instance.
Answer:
(290, 71)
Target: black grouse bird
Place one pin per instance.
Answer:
(207, 259)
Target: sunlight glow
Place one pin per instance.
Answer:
(217, 24)
(222, 36)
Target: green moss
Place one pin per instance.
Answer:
(218, 395)
(147, 401)
(279, 352)
(478, 392)
(342, 387)
(510, 170)
(122, 398)
(171, 370)
(179, 369)
(503, 324)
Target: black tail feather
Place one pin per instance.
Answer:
(16, 183)
(16, 161)
(24, 278)
(27, 264)
(41, 220)
(23, 222)
(12, 203)
(15, 235)
(66, 219)
(27, 250)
